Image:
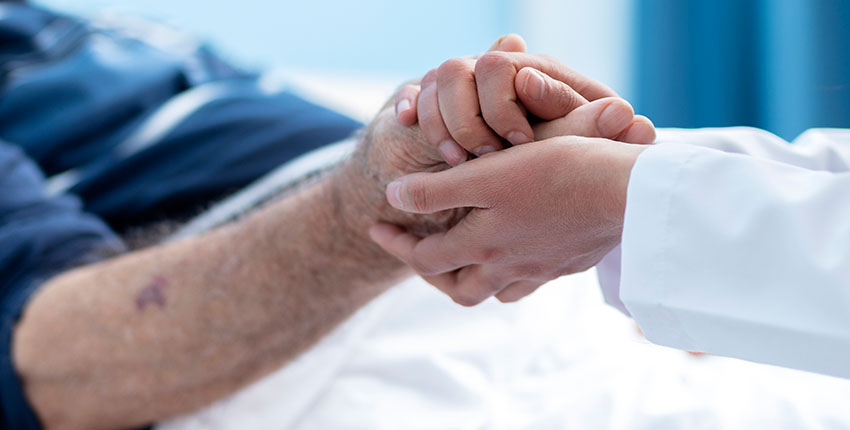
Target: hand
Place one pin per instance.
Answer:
(389, 150)
(541, 210)
(469, 105)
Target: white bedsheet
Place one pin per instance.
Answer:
(558, 359)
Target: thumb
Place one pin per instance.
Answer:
(608, 118)
(545, 97)
(433, 192)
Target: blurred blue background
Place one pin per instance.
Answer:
(782, 65)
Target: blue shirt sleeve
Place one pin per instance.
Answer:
(40, 236)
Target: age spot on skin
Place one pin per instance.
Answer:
(153, 293)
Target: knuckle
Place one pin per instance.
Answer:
(419, 196)
(491, 62)
(567, 99)
(453, 69)
(548, 58)
(466, 134)
(490, 255)
(429, 77)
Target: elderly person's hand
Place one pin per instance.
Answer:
(476, 104)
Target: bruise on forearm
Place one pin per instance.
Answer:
(153, 293)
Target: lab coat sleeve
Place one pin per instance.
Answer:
(816, 149)
(740, 254)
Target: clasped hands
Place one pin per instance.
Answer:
(540, 156)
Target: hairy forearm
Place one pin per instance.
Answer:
(168, 329)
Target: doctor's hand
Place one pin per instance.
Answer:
(540, 211)
(473, 105)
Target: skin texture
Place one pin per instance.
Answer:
(473, 105)
(515, 240)
(168, 329)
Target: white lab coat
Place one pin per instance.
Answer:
(737, 243)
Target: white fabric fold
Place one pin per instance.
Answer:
(738, 244)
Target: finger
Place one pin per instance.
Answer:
(394, 239)
(494, 78)
(405, 246)
(400, 244)
(606, 118)
(427, 193)
(406, 99)
(460, 246)
(509, 43)
(431, 122)
(589, 88)
(517, 290)
(477, 283)
(495, 74)
(461, 114)
(640, 130)
(544, 97)
(445, 282)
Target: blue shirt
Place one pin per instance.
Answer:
(101, 132)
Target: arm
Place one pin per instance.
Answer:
(171, 328)
(165, 330)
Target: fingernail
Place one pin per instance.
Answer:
(614, 119)
(402, 106)
(394, 194)
(535, 85)
(482, 150)
(642, 133)
(452, 152)
(518, 138)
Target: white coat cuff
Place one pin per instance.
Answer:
(646, 242)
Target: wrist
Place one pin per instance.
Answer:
(355, 197)
(621, 163)
(360, 184)
(603, 182)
